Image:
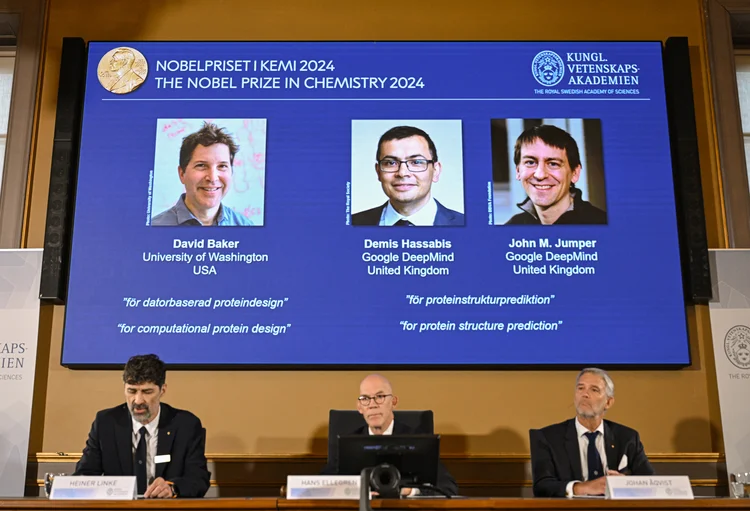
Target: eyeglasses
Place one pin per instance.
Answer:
(379, 399)
(414, 164)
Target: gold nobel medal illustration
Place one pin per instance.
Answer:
(122, 70)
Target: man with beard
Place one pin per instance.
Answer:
(376, 403)
(572, 457)
(162, 446)
(121, 77)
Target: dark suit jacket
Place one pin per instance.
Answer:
(109, 448)
(556, 459)
(444, 216)
(445, 480)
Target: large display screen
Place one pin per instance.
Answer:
(368, 203)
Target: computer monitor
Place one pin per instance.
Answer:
(415, 456)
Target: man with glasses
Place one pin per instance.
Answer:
(407, 165)
(376, 403)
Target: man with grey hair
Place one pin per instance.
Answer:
(572, 457)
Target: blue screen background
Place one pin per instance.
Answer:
(630, 311)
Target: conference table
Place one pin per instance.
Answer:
(459, 504)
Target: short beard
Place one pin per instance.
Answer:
(588, 415)
(143, 419)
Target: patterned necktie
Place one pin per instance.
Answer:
(593, 458)
(404, 223)
(140, 462)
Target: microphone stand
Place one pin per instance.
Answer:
(364, 490)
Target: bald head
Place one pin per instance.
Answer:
(376, 402)
(374, 383)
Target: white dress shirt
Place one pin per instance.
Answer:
(583, 447)
(388, 430)
(423, 217)
(152, 440)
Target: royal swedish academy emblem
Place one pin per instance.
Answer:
(737, 346)
(548, 68)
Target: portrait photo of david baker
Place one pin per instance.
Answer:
(211, 191)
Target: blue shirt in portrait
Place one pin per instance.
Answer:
(179, 214)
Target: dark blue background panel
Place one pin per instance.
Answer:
(304, 286)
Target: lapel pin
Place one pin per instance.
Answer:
(169, 433)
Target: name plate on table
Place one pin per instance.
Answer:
(322, 487)
(93, 488)
(649, 487)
